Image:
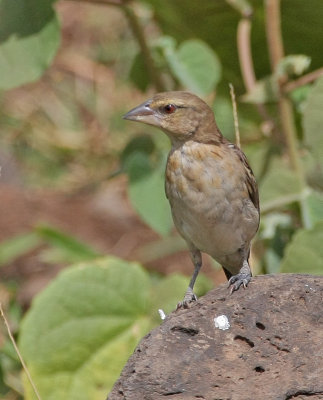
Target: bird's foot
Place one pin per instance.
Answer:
(237, 280)
(189, 298)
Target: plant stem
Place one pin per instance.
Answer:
(146, 53)
(2, 314)
(273, 32)
(247, 66)
(244, 52)
(303, 80)
(139, 34)
(276, 53)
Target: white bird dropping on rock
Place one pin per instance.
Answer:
(162, 314)
(222, 322)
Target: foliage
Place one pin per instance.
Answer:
(312, 120)
(71, 136)
(304, 254)
(62, 248)
(29, 37)
(76, 344)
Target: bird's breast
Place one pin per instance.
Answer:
(208, 197)
(201, 178)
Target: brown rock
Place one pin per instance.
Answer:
(272, 350)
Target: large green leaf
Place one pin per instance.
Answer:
(304, 254)
(81, 329)
(279, 187)
(313, 120)
(314, 206)
(216, 22)
(194, 64)
(29, 38)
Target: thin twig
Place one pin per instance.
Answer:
(18, 353)
(235, 114)
(244, 53)
(303, 80)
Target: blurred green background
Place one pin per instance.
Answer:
(88, 252)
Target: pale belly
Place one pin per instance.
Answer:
(211, 208)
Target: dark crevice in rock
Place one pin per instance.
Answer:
(172, 393)
(302, 393)
(244, 339)
(278, 347)
(183, 329)
(260, 326)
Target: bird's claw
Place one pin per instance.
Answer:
(189, 298)
(237, 280)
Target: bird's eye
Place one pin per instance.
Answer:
(169, 108)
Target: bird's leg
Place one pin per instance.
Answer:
(189, 295)
(242, 278)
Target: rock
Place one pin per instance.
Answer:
(273, 348)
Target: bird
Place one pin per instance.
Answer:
(209, 184)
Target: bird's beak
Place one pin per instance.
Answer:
(143, 113)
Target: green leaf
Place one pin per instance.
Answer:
(304, 254)
(314, 202)
(194, 64)
(66, 248)
(29, 39)
(82, 328)
(216, 23)
(142, 143)
(146, 192)
(295, 64)
(223, 113)
(279, 187)
(313, 120)
(17, 246)
(264, 91)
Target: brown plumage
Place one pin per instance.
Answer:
(209, 184)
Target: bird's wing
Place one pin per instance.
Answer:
(250, 178)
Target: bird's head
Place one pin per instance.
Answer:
(181, 115)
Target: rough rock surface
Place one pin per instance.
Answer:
(272, 350)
